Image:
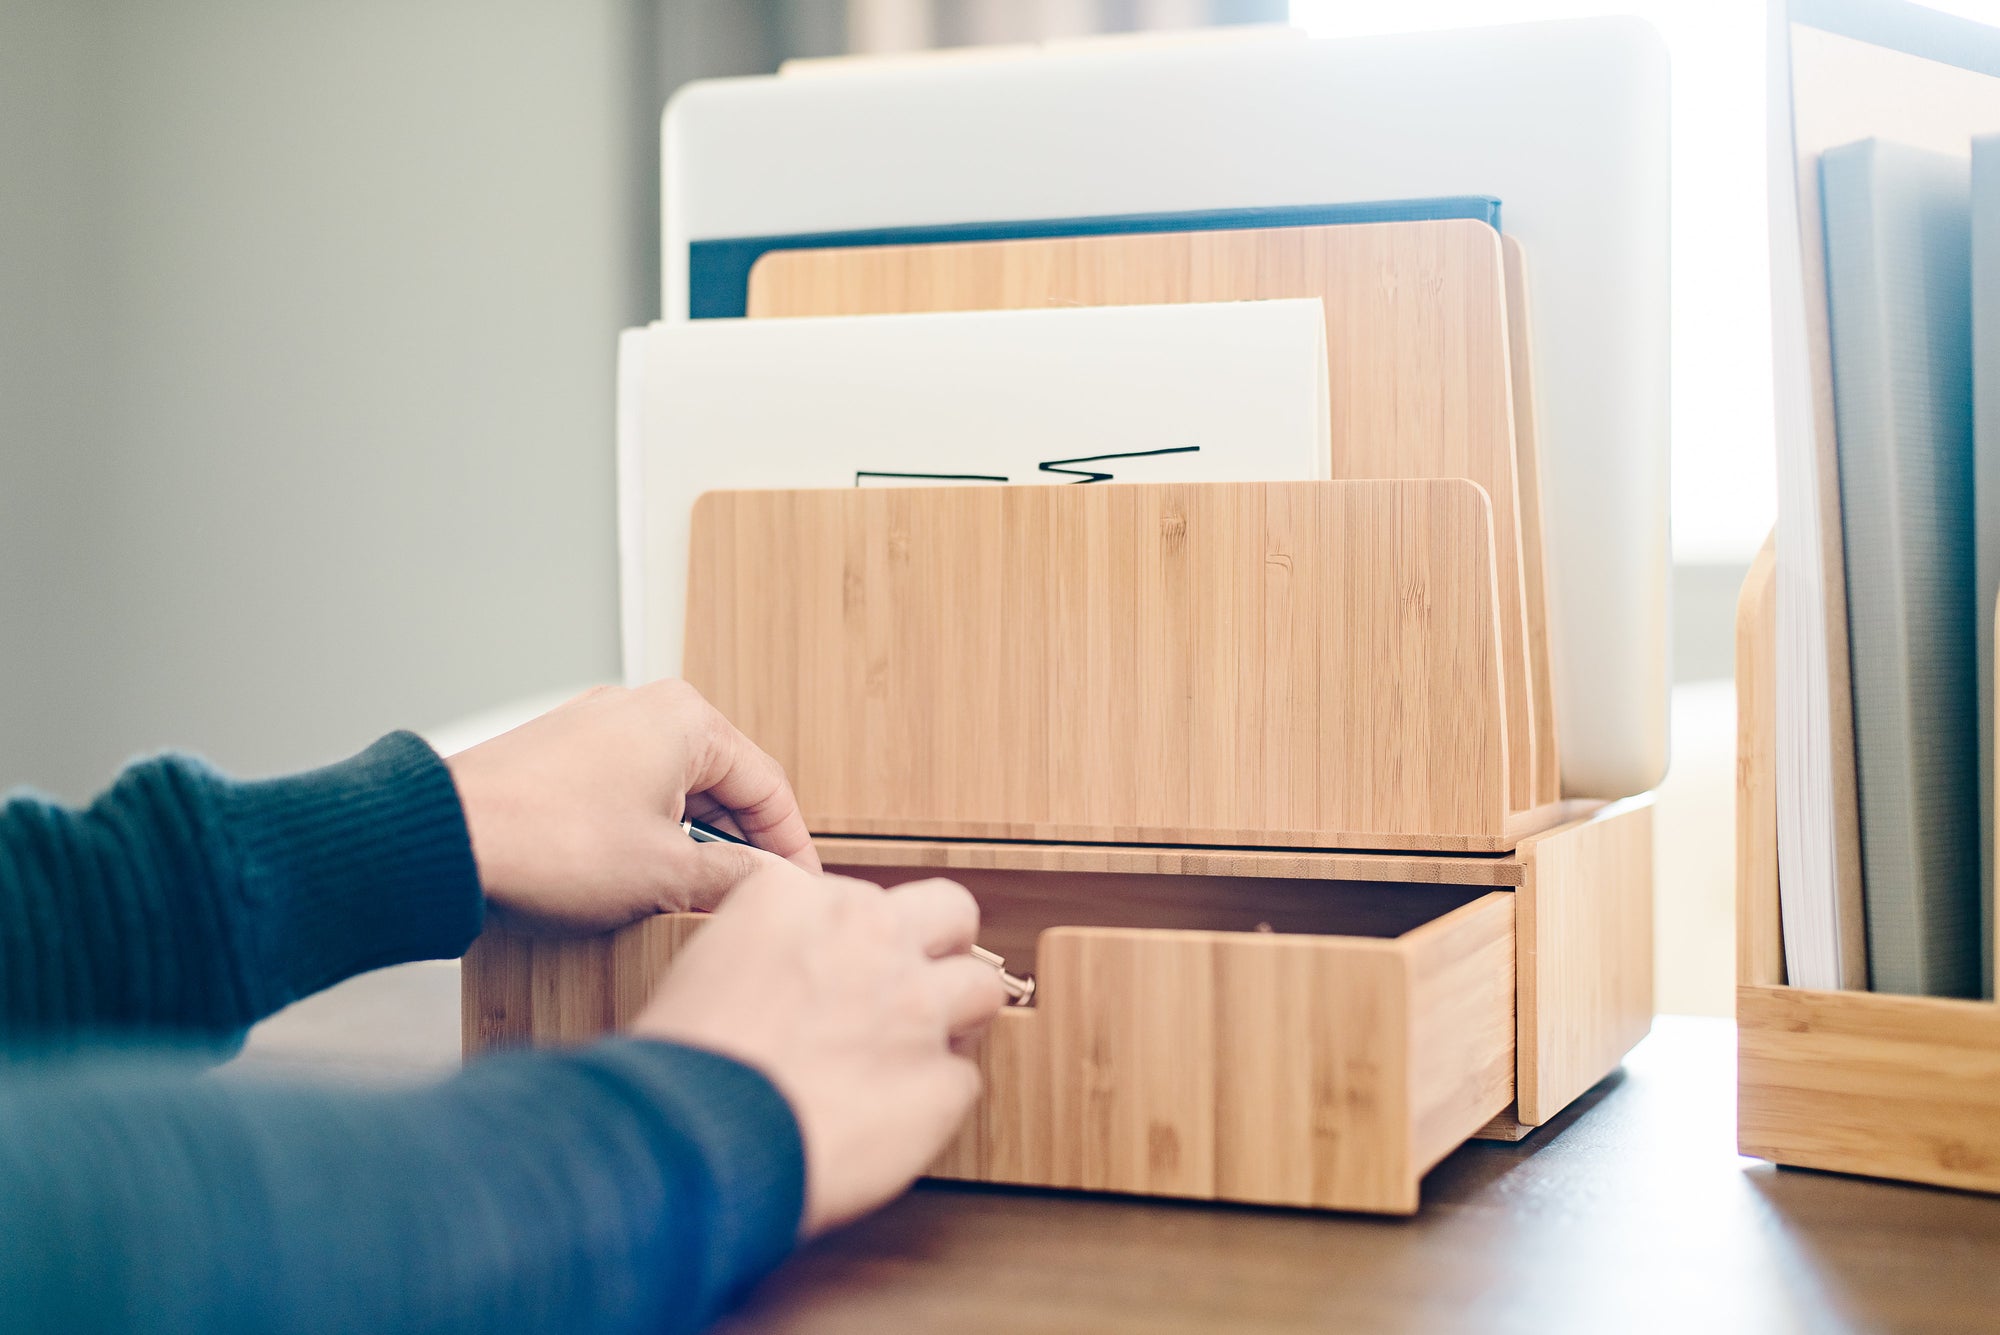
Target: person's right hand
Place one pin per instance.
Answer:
(848, 998)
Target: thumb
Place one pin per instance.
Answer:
(702, 875)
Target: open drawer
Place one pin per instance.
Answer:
(1329, 1060)
(1279, 1042)
(1275, 1027)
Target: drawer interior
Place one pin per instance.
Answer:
(1016, 907)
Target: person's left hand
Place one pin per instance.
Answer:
(575, 816)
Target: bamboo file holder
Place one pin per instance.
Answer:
(1226, 766)
(1436, 309)
(1853, 1082)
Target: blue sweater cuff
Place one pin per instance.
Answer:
(359, 865)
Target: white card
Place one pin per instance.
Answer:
(1218, 392)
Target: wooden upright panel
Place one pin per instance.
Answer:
(1760, 942)
(1586, 954)
(1534, 549)
(1417, 340)
(1308, 665)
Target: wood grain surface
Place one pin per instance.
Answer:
(1267, 1068)
(1417, 342)
(1296, 665)
(1462, 1025)
(866, 854)
(1585, 931)
(1329, 1070)
(1760, 941)
(1867, 1082)
(1534, 549)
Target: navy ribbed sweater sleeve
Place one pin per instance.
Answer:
(183, 900)
(633, 1186)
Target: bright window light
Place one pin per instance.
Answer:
(1984, 11)
(1724, 486)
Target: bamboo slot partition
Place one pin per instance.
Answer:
(1853, 1082)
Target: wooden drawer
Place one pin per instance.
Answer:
(1329, 1061)
(1396, 1006)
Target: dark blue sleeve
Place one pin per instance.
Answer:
(182, 900)
(633, 1186)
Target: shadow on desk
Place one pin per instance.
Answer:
(1630, 1212)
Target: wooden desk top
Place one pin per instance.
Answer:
(1631, 1211)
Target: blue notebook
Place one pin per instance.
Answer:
(719, 271)
(1986, 498)
(1898, 260)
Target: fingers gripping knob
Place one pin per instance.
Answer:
(1020, 991)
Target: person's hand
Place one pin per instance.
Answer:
(849, 998)
(575, 816)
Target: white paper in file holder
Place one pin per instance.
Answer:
(1218, 392)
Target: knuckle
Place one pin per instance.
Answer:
(959, 896)
(676, 688)
(853, 904)
(768, 886)
(941, 904)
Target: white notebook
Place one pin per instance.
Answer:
(1222, 392)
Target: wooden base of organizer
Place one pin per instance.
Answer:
(1306, 1029)
(1851, 1082)
(1863, 1082)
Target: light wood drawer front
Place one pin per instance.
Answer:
(1308, 1070)
(1329, 1063)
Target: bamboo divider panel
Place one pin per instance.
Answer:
(1853, 1082)
(1419, 324)
(1294, 665)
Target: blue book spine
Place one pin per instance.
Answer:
(719, 270)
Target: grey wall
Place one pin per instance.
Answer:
(307, 312)
(53, 659)
(306, 336)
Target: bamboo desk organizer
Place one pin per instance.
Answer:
(1226, 766)
(1853, 1082)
